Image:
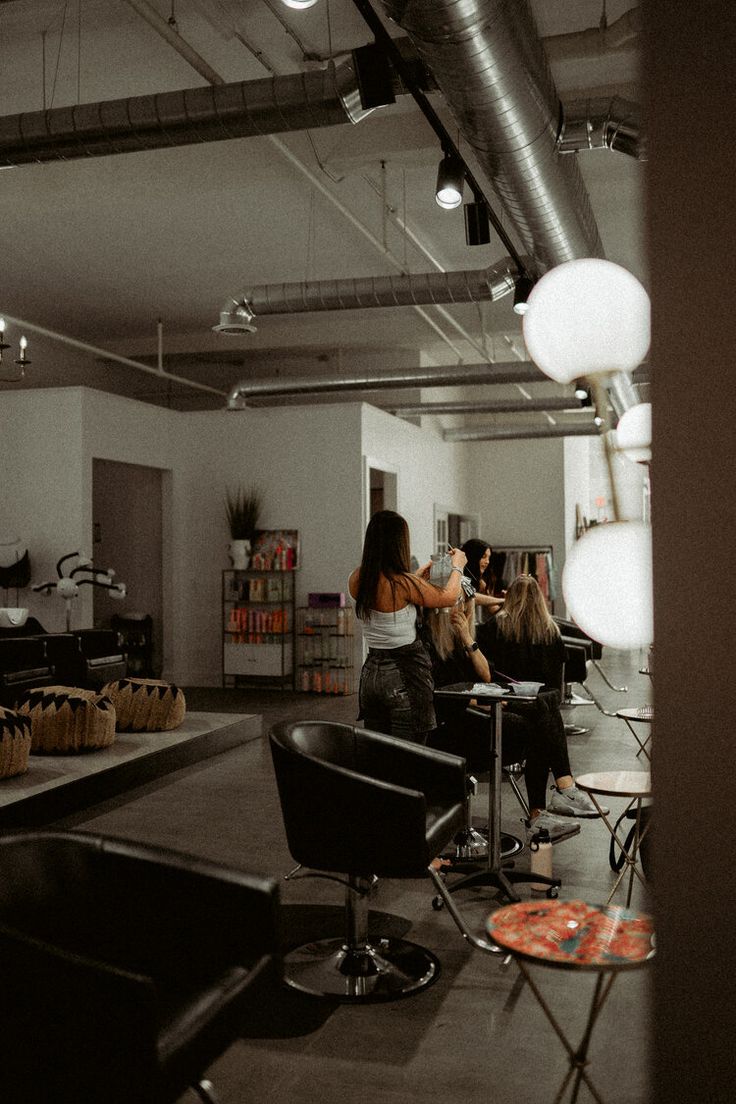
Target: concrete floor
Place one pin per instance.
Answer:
(477, 1035)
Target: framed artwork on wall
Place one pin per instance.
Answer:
(275, 550)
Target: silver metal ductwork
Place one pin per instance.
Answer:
(455, 375)
(516, 433)
(416, 289)
(604, 122)
(489, 62)
(212, 113)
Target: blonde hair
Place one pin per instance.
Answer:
(525, 617)
(441, 630)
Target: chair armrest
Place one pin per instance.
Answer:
(439, 775)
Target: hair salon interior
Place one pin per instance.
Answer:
(467, 260)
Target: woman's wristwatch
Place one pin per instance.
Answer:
(473, 647)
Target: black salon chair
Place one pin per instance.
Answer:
(24, 664)
(359, 804)
(126, 969)
(85, 657)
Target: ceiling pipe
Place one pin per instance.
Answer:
(172, 36)
(490, 64)
(483, 406)
(184, 117)
(604, 122)
(454, 375)
(359, 293)
(106, 355)
(519, 433)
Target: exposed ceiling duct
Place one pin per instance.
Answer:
(605, 122)
(211, 113)
(483, 406)
(521, 432)
(489, 62)
(454, 375)
(414, 289)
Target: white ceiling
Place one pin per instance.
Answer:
(101, 249)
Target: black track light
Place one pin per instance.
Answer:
(450, 177)
(477, 226)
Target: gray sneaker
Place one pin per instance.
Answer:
(559, 828)
(572, 802)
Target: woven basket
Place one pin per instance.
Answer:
(146, 705)
(65, 719)
(15, 742)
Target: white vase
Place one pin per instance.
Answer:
(240, 554)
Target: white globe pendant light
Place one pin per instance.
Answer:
(607, 584)
(587, 317)
(634, 432)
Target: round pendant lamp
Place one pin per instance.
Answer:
(634, 432)
(587, 317)
(607, 584)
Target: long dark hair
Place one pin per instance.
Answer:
(385, 552)
(474, 549)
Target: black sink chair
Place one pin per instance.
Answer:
(126, 969)
(24, 664)
(359, 804)
(86, 657)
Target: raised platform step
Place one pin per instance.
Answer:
(56, 785)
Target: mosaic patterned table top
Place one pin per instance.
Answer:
(574, 934)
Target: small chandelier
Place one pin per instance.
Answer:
(21, 360)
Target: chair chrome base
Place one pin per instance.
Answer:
(389, 969)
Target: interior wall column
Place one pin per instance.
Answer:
(689, 67)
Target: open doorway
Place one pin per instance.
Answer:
(127, 535)
(382, 489)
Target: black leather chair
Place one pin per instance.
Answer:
(360, 804)
(86, 657)
(24, 663)
(125, 968)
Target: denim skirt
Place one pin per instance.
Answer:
(396, 694)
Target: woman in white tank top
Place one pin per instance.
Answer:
(396, 686)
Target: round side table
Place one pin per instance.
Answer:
(573, 935)
(644, 714)
(637, 787)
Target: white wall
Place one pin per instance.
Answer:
(429, 470)
(519, 488)
(42, 467)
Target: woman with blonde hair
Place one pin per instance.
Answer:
(523, 643)
(396, 687)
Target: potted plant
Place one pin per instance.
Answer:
(243, 508)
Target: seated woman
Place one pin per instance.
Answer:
(522, 642)
(456, 657)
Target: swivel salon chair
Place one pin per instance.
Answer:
(125, 968)
(358, 804)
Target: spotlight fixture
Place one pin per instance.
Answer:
(450, 177)
(523, 286)
(299, 4)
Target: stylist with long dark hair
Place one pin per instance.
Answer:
(396, 685)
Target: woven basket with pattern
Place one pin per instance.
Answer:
(66, 719)
(15, 742)
(146, 705)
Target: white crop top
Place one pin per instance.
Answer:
(390, 630)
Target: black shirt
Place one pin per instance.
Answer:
(527, 662)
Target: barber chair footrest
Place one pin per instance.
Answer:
(379, 971)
